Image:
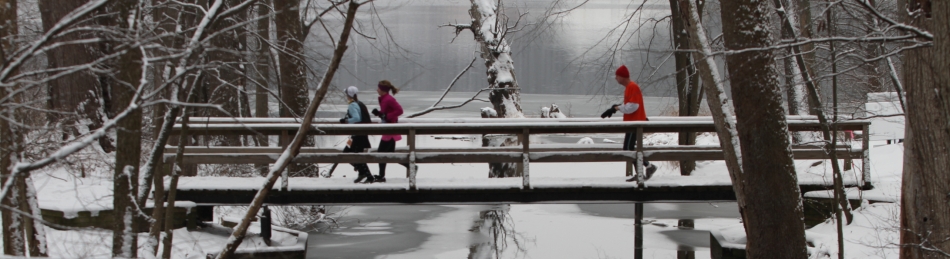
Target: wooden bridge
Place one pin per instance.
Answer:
(230, 190)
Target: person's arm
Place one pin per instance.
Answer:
(628, 108)
(353, 113)
(393, 110)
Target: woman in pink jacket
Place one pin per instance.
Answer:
(388, 112)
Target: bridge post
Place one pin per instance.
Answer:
(411, 141)
(866, 157)
(639, 164)
(284, 143)
(412, 170)
(638, 228)
(525, 156)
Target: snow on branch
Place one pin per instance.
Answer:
(922, 33)
(66, 21)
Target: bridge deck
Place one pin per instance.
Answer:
(229, 190)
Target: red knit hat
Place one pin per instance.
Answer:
(623, 72)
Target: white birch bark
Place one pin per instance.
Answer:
(496, 51)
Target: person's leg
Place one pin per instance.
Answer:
(385, 147)
(630, 143)
(627, 138)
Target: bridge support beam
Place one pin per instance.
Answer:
(638, 228)
(526, 156)
(412, 171)
(639, 164)
(866, 157)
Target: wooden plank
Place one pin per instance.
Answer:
(453, 157)
(534, 148)
(486, 128)
(486, 157)
(561, 194)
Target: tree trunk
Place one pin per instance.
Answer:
(687, 81)
(128, 136)
(293, 71)
(490, 34)
(35, 232)
(925, 213)
(262, 67)
(773, 198)
(13, 241)
(9, 147)
(76, 92)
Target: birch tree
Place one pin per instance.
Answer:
(490, 28)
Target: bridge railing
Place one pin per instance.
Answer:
(286, 128)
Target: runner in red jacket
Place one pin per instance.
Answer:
(633, 110)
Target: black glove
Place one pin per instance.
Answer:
(376, 112)
(342, 120)
(609, 112)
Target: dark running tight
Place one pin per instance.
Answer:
(387, 146)
(630, 143)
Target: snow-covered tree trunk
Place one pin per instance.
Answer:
(771, 193)
(925, 213)
(490, 34)
(293, 70)
(75, 93)
(719, 104)
(35, 232)
(687, 81)
(129, 68)
(794, 85)
(13, 242)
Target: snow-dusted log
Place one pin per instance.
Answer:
(490, 34)
(291, 151)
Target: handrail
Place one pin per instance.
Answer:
(521, 127)
(486, 127)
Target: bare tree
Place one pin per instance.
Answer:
(925, 213)
(772, 196)
(687, 79)
(129, 129)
